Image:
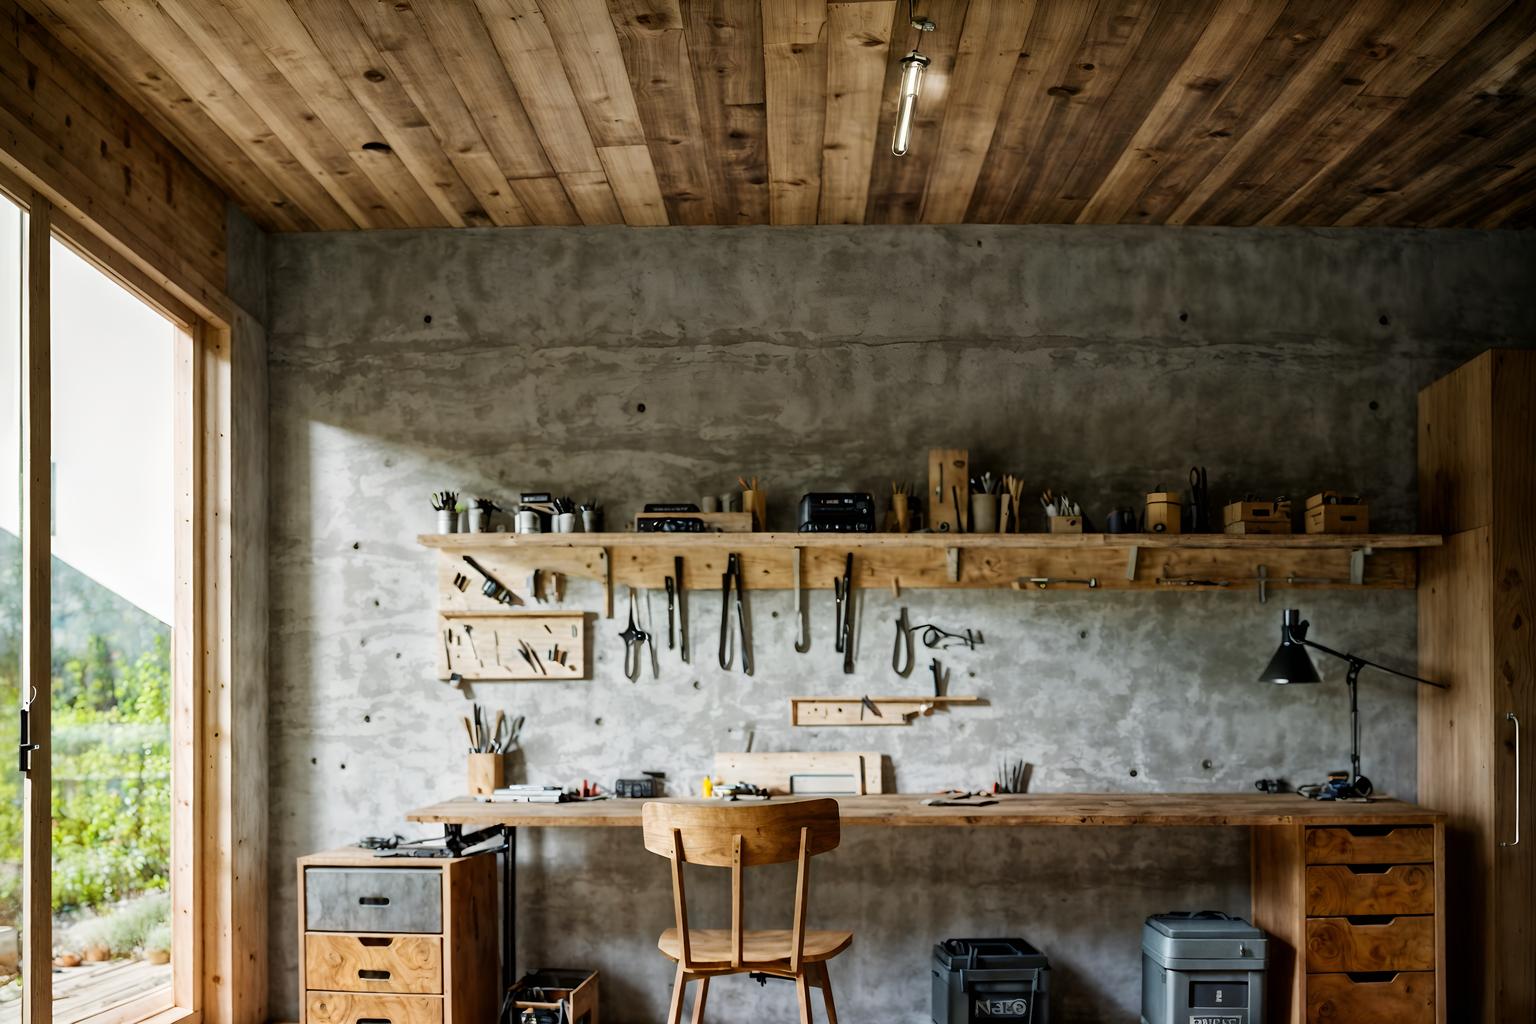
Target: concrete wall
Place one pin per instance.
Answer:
(645, 365)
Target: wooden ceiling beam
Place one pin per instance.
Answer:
(858, 49)
(795, 85)
(725, 46)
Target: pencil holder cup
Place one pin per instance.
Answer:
(487, 773)
(447, 521)
(756, 502)
(709, 503)
(565, 522)
(983, 513)
(592, 520)
(528, 521)
(479, 520)
(902, 513)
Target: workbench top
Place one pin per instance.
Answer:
(907, 810)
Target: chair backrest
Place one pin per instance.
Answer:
(738, 836)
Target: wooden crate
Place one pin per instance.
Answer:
(1256, 517)
(1330, 512)
(1165, 512)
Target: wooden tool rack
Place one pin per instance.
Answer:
(892, 561)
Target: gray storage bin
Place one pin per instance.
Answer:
(1202, 968)
(373, 900)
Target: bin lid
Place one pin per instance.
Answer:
(989, 954)
(1202, 935)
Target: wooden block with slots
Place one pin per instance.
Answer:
(854, 711)
(513, 645)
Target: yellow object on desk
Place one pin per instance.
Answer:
(707, 787)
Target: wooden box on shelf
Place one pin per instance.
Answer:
(1066, 524)
(1257, 517)
(1165, 512)
(1330, 512)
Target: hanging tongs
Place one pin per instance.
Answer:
(729, 580)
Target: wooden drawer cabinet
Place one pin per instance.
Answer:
(1342, 890)
(397, 941)
(1407, 997)
(344, 1008)
(1396, 944)
(406, 964)
(1408, 844)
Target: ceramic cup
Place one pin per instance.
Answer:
(447, 521)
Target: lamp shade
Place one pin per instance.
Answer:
(1291, 663)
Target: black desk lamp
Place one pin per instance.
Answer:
(1292, 664)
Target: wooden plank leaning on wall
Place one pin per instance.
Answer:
(144, 214)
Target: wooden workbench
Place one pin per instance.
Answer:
(907, 810)
(1351, 894)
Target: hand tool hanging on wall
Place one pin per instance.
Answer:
(901, 654)
(682, 609)
(844, 591)
(634, 640)
(729, 580)
(802, 612)
(1199, 500)
(671, 612)
(940, 678)
(650, 637)
(492, 587)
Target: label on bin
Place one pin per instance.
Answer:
(1204, 1018)
(1001, 1008)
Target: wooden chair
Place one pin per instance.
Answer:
(739, 836)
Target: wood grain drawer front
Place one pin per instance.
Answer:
(1337, 890)
(1405, 998)
(1407, 844)
(348, 1008)
(374, 963)
(1400, 944)
(373, 900)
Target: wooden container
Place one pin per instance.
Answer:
(1330, 512)
(1066, 524)
(575, 990)
(1265, 517)
(984, 513)
(901, 513)
(756, 503)
(487, 773)
(1165, 512)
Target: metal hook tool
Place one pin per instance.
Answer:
(903, 640)
(802, 613)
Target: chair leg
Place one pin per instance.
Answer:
(826, 992)
(803, 997)
(675, 1014)
(698, 1002)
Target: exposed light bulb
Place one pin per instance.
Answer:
(912, 66)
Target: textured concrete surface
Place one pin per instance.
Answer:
(645, 365)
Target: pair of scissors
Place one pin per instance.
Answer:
(635, 640)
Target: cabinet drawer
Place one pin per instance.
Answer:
(374, 963)
(1405, 844)
(373, 900)
(1404, 998)
(1398, 944)
(346, 1008)
(1337, 890)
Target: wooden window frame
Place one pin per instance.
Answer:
(202, 790)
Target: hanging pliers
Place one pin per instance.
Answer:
(732, 579)
(635, 640)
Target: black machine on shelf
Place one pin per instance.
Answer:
(837, 512)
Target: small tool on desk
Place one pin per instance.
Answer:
(634, 639)
(671, 611)
(731, 579)
(959, 798)
(868, 705)
(492, 587)
(682, 609)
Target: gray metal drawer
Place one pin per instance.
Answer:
(373, 900)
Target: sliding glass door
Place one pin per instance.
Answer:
(89, 544)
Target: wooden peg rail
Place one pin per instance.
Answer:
(887, 561)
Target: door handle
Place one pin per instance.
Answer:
(1512, 717)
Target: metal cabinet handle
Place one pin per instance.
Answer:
(1512, 717)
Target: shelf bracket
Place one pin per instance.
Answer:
(607, 557)
(1357, 565)
(1263, 578)
(1130, 562)
(952, 562)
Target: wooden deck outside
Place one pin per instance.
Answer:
(84, 991)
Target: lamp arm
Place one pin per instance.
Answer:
(1355, 659)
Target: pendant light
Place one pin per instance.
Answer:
(912, 66)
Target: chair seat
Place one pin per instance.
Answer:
(711, 947)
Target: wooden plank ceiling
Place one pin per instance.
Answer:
(339, 114)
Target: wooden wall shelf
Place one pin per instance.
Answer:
(891, 561)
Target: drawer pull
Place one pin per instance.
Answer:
(1512, 717)
(1370, 831)
(1371, 977)
(1370, 919)
(373, 901)
(1368, 869)
(368, 975)
(374, 1020)
(375, 940)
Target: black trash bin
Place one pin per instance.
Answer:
(980, 980)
